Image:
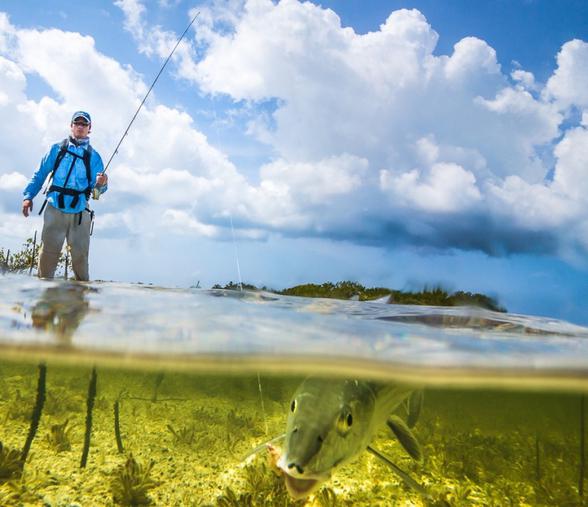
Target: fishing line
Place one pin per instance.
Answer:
(236, 250)
(262, 404)
(236, 253)
(241, 289)
(147, 94)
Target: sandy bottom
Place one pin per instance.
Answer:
(480, 448)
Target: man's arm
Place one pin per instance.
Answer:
(32, 189)
(99, 178)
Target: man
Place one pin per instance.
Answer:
(76, 170)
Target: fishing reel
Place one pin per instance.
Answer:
(95, 194)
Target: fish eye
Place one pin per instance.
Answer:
(344, 422)
(293, 406)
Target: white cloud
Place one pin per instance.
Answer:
(525, 79)
(372, 137)
(12, 181)
(535, 207)
(317, 182)
(473, 64)
(571, 170)
(439, 134)
(133, 11)
(445, 188)
(569, 84)
(180, 220)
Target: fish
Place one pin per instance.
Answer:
(331, 421)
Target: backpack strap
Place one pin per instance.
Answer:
(62, 150)
(60, 154)
(86, 158)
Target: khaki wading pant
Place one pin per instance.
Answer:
(58, 226)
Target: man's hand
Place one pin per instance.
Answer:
(27, 207)
(101, 179)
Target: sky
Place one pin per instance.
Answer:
(404, 144)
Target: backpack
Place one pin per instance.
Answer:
(63, 191)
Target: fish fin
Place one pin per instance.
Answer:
(415, 406)
(401, 473)
(405, 436)
(263, 447)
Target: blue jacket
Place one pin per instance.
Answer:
(77, 179)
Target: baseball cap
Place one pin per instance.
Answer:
(81, 114)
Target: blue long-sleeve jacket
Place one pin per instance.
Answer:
(77, 179)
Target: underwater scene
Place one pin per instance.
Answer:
(120, 394)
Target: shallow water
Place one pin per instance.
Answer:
(201, 378)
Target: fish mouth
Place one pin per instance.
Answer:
(301, 488)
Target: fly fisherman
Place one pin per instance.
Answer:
(75, 170)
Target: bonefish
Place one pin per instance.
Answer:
(330, 422)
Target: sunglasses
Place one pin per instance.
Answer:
(81, 124)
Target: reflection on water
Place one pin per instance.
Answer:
(61, 309)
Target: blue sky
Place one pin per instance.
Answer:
(395, 143)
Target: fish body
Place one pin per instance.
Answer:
(330, 422)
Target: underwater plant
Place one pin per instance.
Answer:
(132, 482)
(326, 497)
(59, 437)
(264, 486)
(11, 464)
(230, 499)
(60, 401)
(18, 408)
(24, 490)
(231, 439)
(9, 495)
(158, 380)
(239, 422)
(182, 436)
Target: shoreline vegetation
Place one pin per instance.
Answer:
(435, 296)
(26, 260)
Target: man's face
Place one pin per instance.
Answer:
(80, 128)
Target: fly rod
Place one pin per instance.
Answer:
(95, 192)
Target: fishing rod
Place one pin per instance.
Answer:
(95, 192)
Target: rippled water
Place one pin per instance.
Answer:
(199, 379)
(264, 330)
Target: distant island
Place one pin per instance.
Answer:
(351, 290)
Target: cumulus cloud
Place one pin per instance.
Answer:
(446, 188)
(569, 84)
(571, 170)
(372, 137)
(449, 136)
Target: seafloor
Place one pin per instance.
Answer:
(186, 436)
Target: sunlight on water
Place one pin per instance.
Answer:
(190, 382)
